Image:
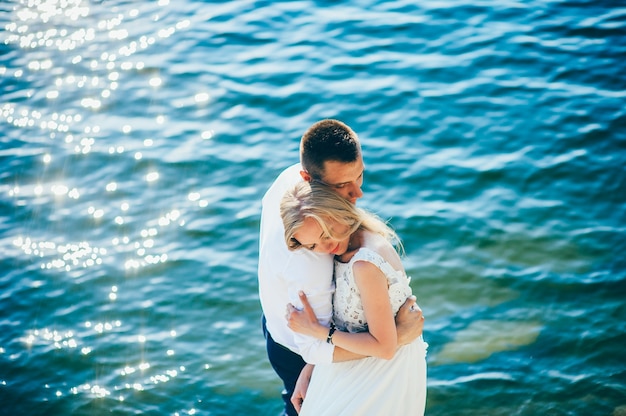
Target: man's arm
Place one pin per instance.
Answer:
(409, 324)
(409, 321)
(311, 273)
(302, 385)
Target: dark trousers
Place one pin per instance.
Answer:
(287, 364)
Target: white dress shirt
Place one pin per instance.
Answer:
(282, 273)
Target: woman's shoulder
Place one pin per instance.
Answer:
(381, 247)
(378, 244)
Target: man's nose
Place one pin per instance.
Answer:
(356, 191)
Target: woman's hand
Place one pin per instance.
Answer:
(304, 321)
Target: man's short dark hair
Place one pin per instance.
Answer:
(328, 140)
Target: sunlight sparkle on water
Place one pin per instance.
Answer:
(144, 257)
(95, 390)
(169, 217)
(91, 103)
(55, 338)
(59, 189)
(149, 232)
(202, 97)
(119, 34)
(98, 391)
(118, 149)
(87, 82)
(97, 213)
(72, 255)
(127, 370)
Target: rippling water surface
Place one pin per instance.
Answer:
(137, 139)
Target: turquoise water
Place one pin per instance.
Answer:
(137, 139)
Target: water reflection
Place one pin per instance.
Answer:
(71, 255)
(73, 59)
(132, 197)
(90, 81)
(130, 377)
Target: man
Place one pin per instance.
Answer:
(330, 153)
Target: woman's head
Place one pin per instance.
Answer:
(316, 218)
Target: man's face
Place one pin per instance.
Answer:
(345, 178)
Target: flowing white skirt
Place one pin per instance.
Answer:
(370, 386)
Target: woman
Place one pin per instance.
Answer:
(370, 287)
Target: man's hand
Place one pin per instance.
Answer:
(302, 384)
(409, 322)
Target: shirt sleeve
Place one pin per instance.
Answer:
(312, 273)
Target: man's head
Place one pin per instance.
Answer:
(330, 153)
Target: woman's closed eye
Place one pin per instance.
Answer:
(323, 238)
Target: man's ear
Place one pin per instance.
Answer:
(305, 175)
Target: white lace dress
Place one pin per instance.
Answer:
(370, 386)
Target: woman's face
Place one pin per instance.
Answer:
(311, 236)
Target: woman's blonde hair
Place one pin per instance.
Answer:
(317, 201)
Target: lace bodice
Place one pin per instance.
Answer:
(348, 310)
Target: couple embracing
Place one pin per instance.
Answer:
(341, 325)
